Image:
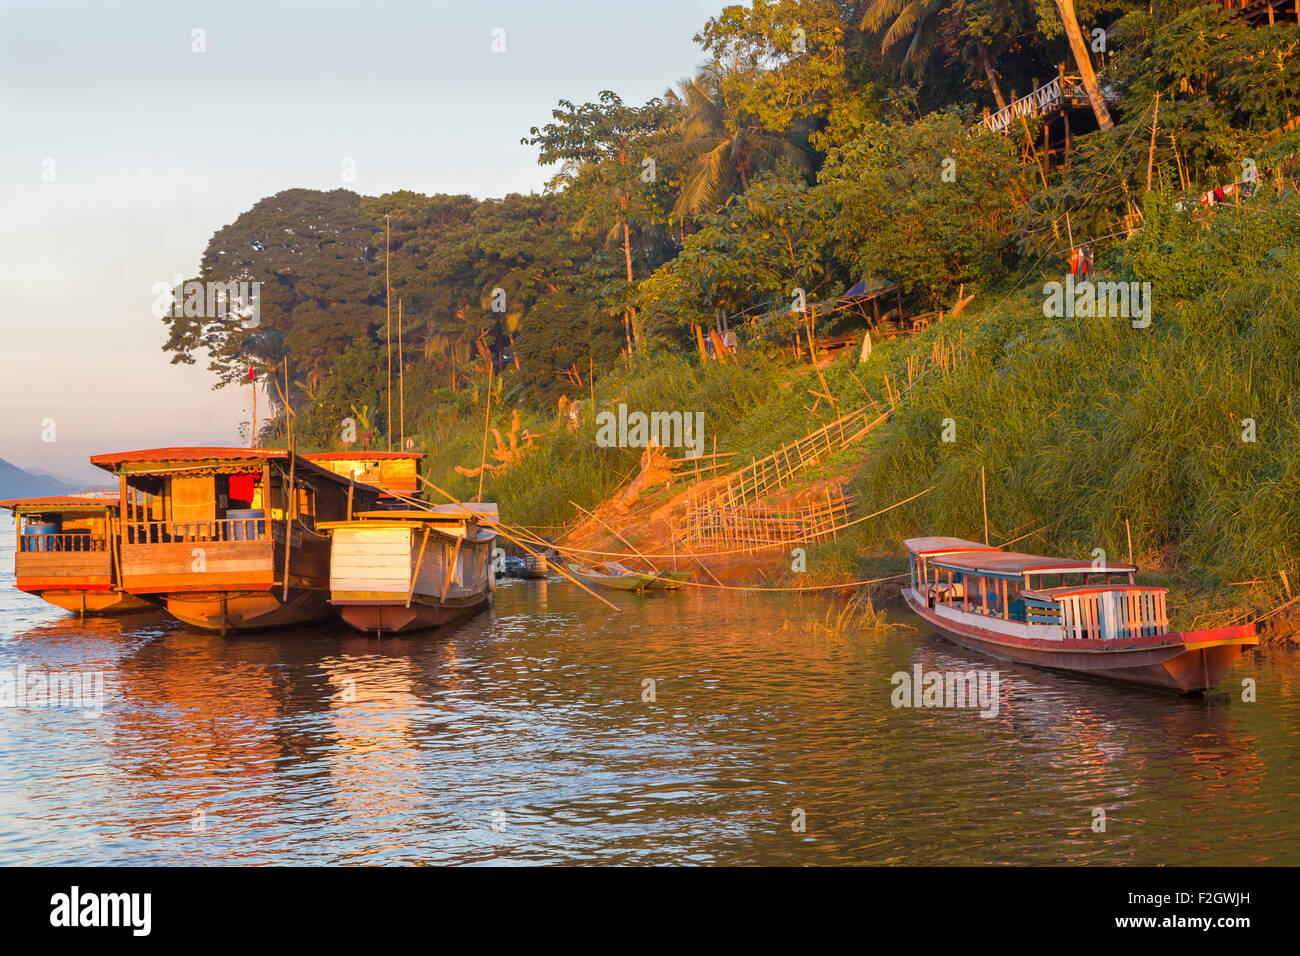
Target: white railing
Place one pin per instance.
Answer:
(1113, 614)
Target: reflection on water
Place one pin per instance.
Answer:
(522, 736)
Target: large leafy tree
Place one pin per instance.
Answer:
(759, 248)
(927, 205)
(314, 255)
(605, 172)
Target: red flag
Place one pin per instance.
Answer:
(250, 375)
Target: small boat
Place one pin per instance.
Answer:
(1065, 615)
(397, 571)
(228, 538)
(536, 565)
(67, 554)
(613, 575)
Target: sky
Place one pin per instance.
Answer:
(132, 131)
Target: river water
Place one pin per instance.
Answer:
(691, 728)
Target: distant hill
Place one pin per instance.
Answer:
(16, 483)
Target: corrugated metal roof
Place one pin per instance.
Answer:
(363, 455)
(110, 461)
(941, 545)
(1013, 563)
(61, 503)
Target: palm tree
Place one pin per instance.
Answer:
(1084, 62)
(727, 150)
(916, 21)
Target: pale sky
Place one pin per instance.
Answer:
(152, 147)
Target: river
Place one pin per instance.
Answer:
(691, 728)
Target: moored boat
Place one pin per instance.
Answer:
(227, 538)
(612, 575)
(398, 571)
(1083, 617)
(67, 554)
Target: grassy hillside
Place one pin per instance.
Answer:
(1080, 423)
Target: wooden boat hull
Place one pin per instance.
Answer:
(1184, 663)
(397, 618)
(247, 610)
(91, 600)
(614, 582)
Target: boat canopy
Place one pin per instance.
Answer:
(476, 510)
(206, 460)
(923, 547)
(59, 503)
(1012, 564)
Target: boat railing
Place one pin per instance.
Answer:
(218, 530)
(1113, 613)
(1039, 611)
(65, 541)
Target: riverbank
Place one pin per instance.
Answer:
(1180, 437)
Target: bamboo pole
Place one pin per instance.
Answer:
(419, 561)
(451, 567)
(401, 380)
(1151, 155)
(290, 506)
(616, 534)
(487, 421)
(500, 529)
(984, 498)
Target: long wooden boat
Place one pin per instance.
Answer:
(227, 538)
(612, 575)
(67, 554)
(1062, 614)
(398, 571)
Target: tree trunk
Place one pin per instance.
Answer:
(992, 77)
(634, 333)
(1082, 59)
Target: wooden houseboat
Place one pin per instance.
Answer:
(398, 571)
(1063, 614)
(228, 538)
(67, 554)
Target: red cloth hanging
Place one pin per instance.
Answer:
(241, 487)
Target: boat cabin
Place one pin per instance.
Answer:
(394, 571)
(393, 472)
(66, 553)
(1033, 595)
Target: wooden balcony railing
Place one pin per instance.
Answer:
(172, 532)
(67, 541)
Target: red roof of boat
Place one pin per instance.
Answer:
(940, 545)
(201, 453)
(59, 502)
(1015, 563)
